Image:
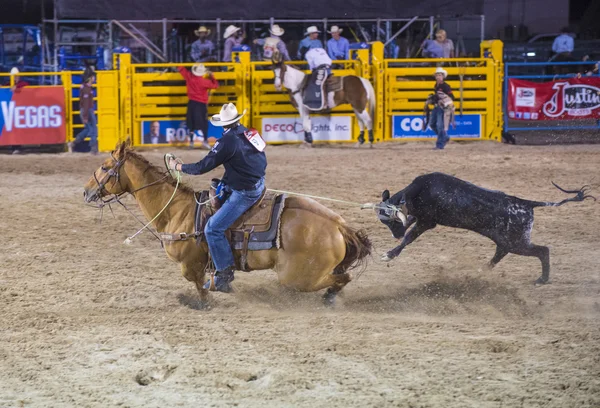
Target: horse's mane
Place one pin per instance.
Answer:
(157, 171)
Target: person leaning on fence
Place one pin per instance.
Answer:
(18, 83)
(86, 112)
(198, 82)
(309, 42)
(243, 183)
(233, 37)
(338, 47)
(202, 49)
(443, 112)
(447, 45)
(272, 43)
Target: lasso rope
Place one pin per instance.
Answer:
(129, 239)
(316, 197)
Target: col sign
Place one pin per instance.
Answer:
(32, 116)
(324, 128)
(410, 127)
(172, 131)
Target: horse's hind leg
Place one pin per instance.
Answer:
(340, 281)
(361, 125)
(364, 120)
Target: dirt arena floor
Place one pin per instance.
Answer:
(86, 321)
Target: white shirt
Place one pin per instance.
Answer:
(317, 57)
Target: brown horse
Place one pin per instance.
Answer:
(354, 90)
(317, 247)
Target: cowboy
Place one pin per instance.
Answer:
(444, 108)
(337, 47)
(272, 43)
(309, 42)
(233, 37)
(203, 48)
(244, 181)
(198, 82)
(86, 112)
(18, 82)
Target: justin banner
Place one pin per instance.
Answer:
(32, 116)
(573, 98)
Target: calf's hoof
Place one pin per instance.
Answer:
(541, 281)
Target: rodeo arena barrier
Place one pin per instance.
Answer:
(130, 97)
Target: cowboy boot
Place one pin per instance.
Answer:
(222, 281)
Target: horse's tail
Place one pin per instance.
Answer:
(358, 247)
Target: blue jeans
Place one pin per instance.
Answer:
(437, 125)
(237, 204)
(90, 129)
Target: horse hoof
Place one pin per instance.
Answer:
(329, 299)
(386, 258)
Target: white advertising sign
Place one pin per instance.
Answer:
(324, 128)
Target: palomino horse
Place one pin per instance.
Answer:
(317, 247)
(356, 91)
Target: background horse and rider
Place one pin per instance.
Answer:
(338, 90)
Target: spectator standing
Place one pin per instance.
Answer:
(563, 44)
(18, 82)
(86, 112)
(202, 49)
(447, 45)
(233, 37)
(198, 82)
(309, 42)
(338, 47)
(432, 49)
(272, 43)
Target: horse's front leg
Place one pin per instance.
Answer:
(194, 272)
(306, 125)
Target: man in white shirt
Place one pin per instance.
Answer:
(317, 57)
(314, 92)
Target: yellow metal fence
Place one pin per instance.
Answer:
(134, 93)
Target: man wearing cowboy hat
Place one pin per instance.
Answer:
(198, 82)
(244, 182)
(203, 48)
(86, 112)
(444, 108)
(233, 37)
(337, 47)
(272, 43)
(310, 41)
(18, 82)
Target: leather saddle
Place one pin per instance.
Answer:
(317, 86)
(256, 230)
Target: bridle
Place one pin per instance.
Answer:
(115, 172)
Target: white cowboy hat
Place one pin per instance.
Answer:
(440, 70)
(228, 115)
(312, 29)
(230, 30)
(199, 69)
(335, 29)
(202, 29)
(14, 71)
(276, 30)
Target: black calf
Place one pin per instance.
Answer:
(438, 198)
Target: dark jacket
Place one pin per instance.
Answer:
(445, 88)
(244, 165)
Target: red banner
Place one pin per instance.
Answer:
(32, 116)
(573, 98)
